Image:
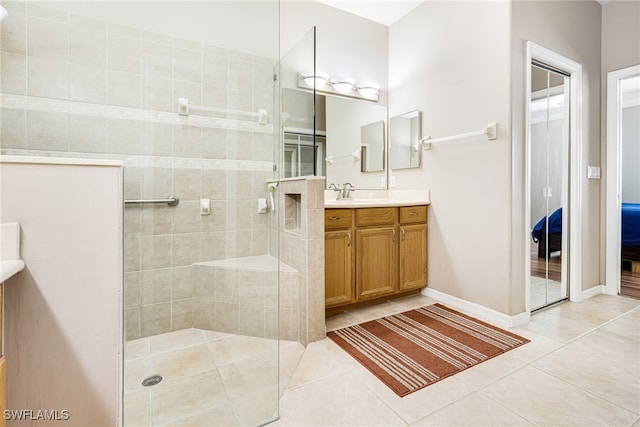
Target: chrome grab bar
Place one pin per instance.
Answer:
(171, 201)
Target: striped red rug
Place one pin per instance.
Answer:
(411, 350)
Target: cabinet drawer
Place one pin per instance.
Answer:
(337, 219)
(376, 216)
(409, 214)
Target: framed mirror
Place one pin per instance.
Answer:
(372, 147)
(405, 131)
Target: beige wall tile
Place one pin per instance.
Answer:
(42, 11)
(187, 141)
(181, 314)
(239, 144)
(124, 53)
(262, 78)
(88, 134)
(251, 320)
(132, 224)
(215, 70)
(124, 136)
(187, 183)
(157, 182)
(186, 217)
(216, 97)
(47, 39)
(204, 314)
(132, 182)
(157, 60)
(131, 289)
(156, 219)
(131, 254)
(14, 73)
(88, 84)
(259, 242)
(239, 185)
(48, 79)
(124, 89)
(132, 323)
(155, 286)
(47, 130)
(213, 246)
(217, 220)
(83, 21)
(157, 139)
(187, 65)
(157, 93)
(182, 285)
(155, 319)
(186, 249)
(204, 282)
(155, 252)
(88, 46)
(13, 34)
(13, 132)
(187, 44)
(214, 184)
(214, 143)
(227, 317)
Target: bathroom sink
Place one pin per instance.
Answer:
(10, 262)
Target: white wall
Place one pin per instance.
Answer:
(451, 60)
(347, 45)
(620, 45)
(63, 312)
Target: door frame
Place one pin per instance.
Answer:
(614, 177)
(574, 69)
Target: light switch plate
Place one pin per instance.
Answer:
(593, 172)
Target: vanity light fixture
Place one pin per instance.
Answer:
(319, 80)
(369, 90)
(345, 86)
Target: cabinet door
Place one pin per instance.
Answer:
(376, 265)
(413, 256)
(338, 268)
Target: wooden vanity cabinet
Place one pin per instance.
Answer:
(338, 257)
(413, 248)
(376, 252)
(373, 254)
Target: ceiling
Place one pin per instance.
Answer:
(385, 12)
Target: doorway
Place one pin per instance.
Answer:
(549, 183)
(552, 178)
(623, 182)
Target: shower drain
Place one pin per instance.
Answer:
(152, 380)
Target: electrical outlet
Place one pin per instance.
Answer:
(392, 181)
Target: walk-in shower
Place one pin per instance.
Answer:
(202, 276)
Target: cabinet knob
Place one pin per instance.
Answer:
(402, 231)
(413, 213)
(333, 218)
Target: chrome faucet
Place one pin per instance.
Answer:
(347, 188)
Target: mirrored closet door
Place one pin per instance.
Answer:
(549, 185)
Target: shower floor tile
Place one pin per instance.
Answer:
(205, 374)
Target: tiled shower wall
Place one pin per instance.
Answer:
(77, 87)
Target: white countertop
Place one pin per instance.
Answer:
(9, 267)
(373, 203)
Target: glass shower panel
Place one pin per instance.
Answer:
(549, 186)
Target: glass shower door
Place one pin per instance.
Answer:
(549, 154)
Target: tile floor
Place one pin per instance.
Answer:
(582, 368)
(209, 378)
(544, 292)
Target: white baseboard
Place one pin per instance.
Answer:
(592, 292)
(476, 310)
